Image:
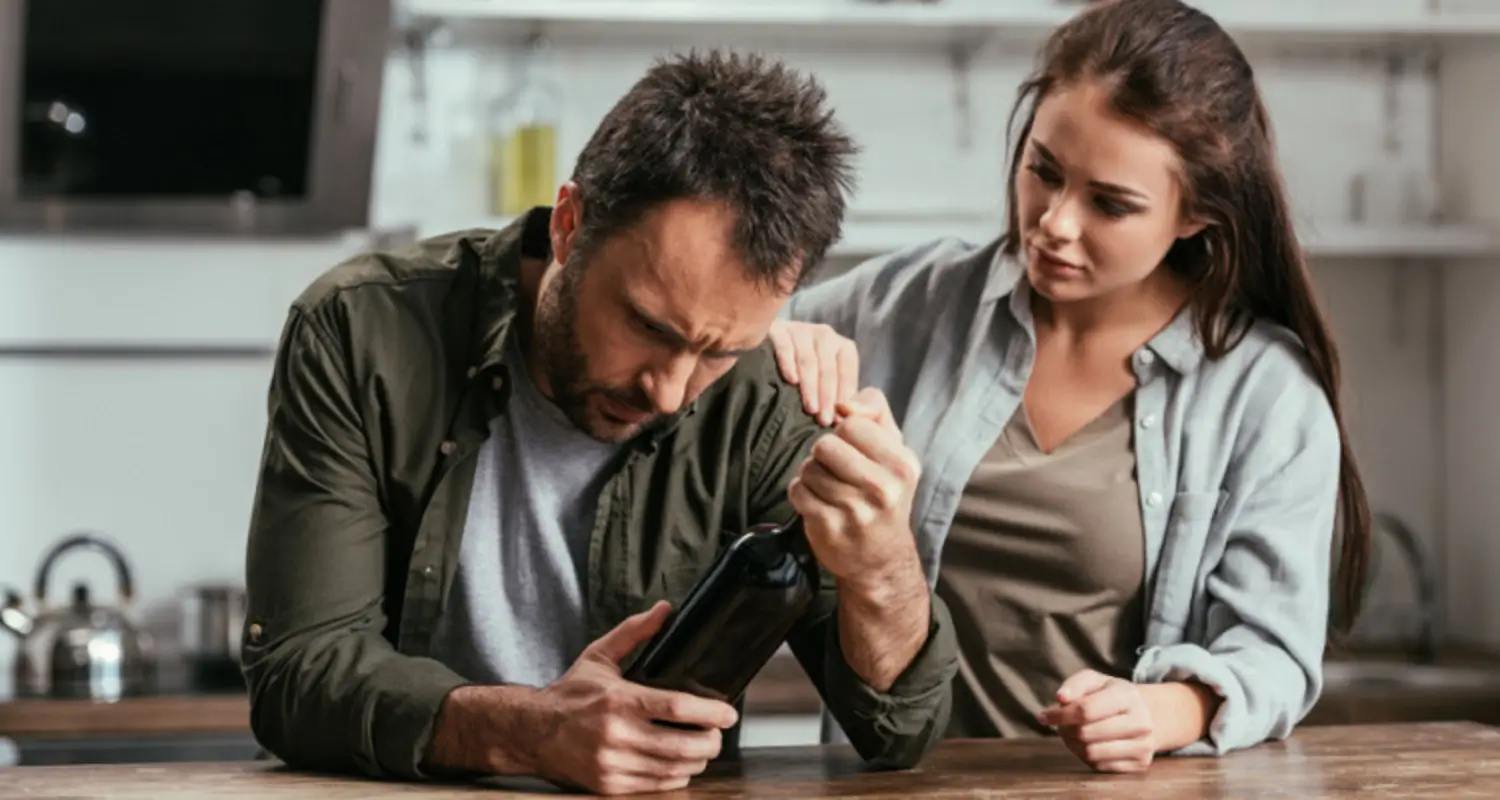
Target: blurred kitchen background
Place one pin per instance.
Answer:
(173, 172)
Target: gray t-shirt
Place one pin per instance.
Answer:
(515, 612)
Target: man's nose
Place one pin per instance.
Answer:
(667, 383)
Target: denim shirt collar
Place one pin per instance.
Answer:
(1177, 344)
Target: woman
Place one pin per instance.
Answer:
(1127, 408)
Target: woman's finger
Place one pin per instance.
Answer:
(786, 351)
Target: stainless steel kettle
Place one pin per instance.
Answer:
(80, 650)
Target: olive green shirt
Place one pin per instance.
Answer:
(386, 378)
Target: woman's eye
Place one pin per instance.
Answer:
(1113, 208)
(1044, 172)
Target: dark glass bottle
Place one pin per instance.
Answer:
(735, 617)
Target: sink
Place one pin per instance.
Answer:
(1405, 676)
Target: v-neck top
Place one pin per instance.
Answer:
(1043, 571)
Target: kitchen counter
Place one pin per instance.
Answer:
(137, 715)
(1427, 760)
(781, 688)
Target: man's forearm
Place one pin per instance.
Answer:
(883, 625)
(481, 730)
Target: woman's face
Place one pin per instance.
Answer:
(1097, 197)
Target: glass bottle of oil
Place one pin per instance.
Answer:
(523, 136)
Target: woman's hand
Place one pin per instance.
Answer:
(1105, 721)
(824, 364)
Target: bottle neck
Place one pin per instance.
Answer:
(793, 538)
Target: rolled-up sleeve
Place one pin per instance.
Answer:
(892, 729)
(1266, 601)
(327, 690)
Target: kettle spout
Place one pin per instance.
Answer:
(13, 618)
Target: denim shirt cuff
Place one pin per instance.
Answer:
(1229, 729)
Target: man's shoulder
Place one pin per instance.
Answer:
(755, 383)
(740, 445)
(374, 274)
(750, 405)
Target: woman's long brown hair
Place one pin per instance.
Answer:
(1172, 69)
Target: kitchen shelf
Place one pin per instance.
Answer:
(1324, 242)
(865, 237)
(1023, 23)
(1417, 242)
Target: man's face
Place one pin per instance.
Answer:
(647, 319)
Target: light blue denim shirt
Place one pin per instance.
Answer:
(1237, 462)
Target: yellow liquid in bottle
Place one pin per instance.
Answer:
(523, 168)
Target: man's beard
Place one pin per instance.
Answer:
(560, 354)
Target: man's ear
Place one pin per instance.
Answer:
(566, 215)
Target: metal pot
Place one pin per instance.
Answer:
(213, 616)
(80, 650)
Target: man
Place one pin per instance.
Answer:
(491, 457)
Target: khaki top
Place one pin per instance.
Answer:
(1043, 571)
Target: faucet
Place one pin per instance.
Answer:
(1424, 574)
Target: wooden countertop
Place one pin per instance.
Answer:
(780, 688)
(1429, 760)
(229, 713)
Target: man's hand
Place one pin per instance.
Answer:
(854, 493)
(1105, 721)
(820, 361)
(591, 729)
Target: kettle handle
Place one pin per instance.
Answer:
(90, 541)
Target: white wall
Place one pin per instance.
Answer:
(1471, 331)
(158, 455)
(162, 456)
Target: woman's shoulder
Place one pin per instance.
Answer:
(1268, 387)
(926, 277)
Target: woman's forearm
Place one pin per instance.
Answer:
(1180, 712)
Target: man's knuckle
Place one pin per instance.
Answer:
(908, 466)
(612, 730)
(824, 446)
(893, 493)
(603, 762)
